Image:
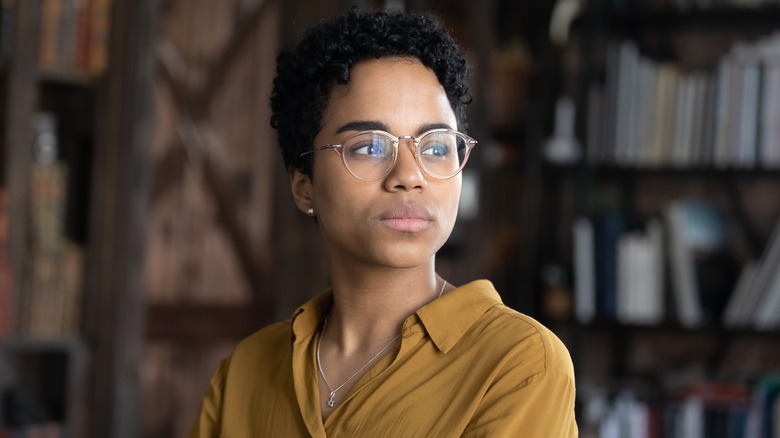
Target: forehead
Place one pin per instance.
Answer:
(399, 92)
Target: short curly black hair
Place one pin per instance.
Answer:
(305, 76)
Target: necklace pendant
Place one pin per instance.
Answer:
(331, 402)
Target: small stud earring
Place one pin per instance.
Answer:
(310, 212)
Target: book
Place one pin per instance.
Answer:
(702, 269)
(47, 204)
(74, 35)
(758, 292)
(767, 316)
(99, 30)
(48, 37)
(735, 314)
(52, 304)
(744, 155)
(584, 270)
(627, 93)
(640, 276)
(608, 227)
(769, 129)
(767, 286)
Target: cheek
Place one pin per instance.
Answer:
(451, 202)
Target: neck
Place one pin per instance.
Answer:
(369, 310)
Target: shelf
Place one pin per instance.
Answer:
(43, 346)
(637, 16)
(617, 171)
(670, 327)
(52, 376)
(67, 77)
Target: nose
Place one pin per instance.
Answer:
(406, 174)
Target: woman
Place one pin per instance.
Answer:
(369, 110)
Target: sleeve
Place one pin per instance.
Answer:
(208, 424)
(540, 406)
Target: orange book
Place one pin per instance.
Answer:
(48, 47)
(83, 35)
(99, 30)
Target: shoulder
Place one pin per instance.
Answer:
(525, 339)
(273, 339)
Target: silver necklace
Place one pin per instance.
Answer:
(332, 399)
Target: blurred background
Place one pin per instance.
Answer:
(624, 192)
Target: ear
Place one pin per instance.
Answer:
(300, 184)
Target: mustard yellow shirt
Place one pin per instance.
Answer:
(467, 366)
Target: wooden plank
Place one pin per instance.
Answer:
(188, 324)
(20, 105)
(115, 281)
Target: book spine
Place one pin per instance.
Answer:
(99, 29)
(6, 297)
(49, 36)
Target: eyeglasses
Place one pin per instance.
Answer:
(371, 155)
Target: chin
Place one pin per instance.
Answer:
(407, 256)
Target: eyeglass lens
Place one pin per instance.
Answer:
(370, 155)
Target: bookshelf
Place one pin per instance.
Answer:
(673, 199)
(70, 304)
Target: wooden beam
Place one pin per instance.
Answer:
(21, 103)
(186, 324)
(115, 306)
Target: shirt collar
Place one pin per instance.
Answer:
(306, 320)
(447, 319)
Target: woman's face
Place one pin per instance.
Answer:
(398, 221)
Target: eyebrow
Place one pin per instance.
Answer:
(374, 125)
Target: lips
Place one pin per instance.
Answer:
(407, 218)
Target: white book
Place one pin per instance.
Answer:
(640, 276)
(584, 271)
(768, 314)
(628, 56)
(770, 116)
(682, 272)
(680, 123)
(691, 421)
(657, 119)
(670, 114)
(697, 157)
(747, 120)
(638, 420)
(629, 247)
(645, 95)
(734, 314)
(686, 115)
(708, 124)
(656, 303)
(768, 266)
(648, 137)
(723, 105)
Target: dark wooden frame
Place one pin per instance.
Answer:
(115, 282)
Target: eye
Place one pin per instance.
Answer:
(371, 146)
(435, 149)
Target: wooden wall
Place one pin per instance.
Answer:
(208, 244)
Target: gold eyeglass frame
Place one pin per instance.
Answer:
(470, 144)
